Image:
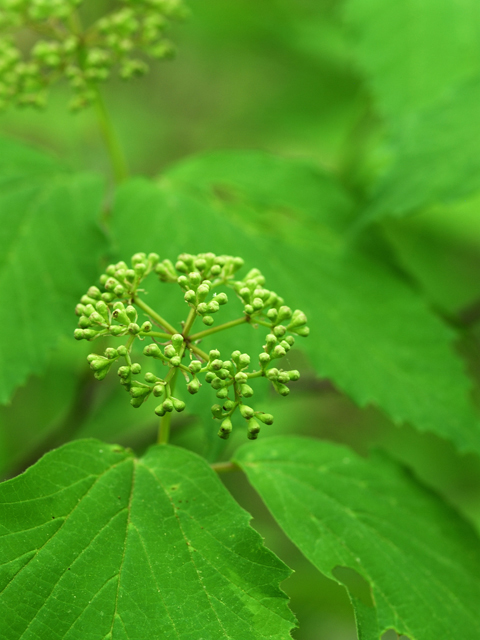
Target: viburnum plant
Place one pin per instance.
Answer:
(113, 313)
(109, 531)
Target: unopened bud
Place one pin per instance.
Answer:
(193, 386)
(246, 390)
(225, 429)
(178, 405)
(266, 418)
(253, 429)
(246, 412)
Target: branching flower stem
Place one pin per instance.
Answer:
(154, 315)
(220, 327)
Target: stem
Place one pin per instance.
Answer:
(189, 322)
(199, 352)
(155, 334)
(224, 467)
(220, 327)
(115, 151)
(164, 429)
(154, 315)
(256, 374)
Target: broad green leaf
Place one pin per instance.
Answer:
(421, 560)
(412, 52)
(50, 245)
(421, 61)
(97, 544)
(436, 156)
(370, 332)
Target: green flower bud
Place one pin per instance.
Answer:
(140, 269)
(298, 320)
(78, 334)
(195, 278)
(217, 383)
(97, 318)
(124, 372)
(257, 304)
(152, 350)
(193, 386)
(120, 316)
(136, 368)
(139, 390)
(216, 365)
(216, 270)
(94, 292)
(236, 355)
(221, 298)
(122, 350)
(229, 405)
(304, 332)
(146, 327)
(138, 257)
(153, 258)
(272, 314)
(107, 297)
(195, 366)
(177, 341)
(202, 292)
(279, 331)
(294, 375)
(222, 393)
(217, 411)
(208, 320)
(133, 328)
(285, 345)
(200, 264)
(248, 310)
(150, 377)
(168, 405)
(137, 402)
(87, 300)
(158, 390)
(116, 331)
(89, 309)
(181, 266)
(89, 334)
(282, 389)
(283, 377)
(160, 411)
(278, 352)
(266, 418)
(241, 377)
(223, 374)
(80, 309)
(111, 283)
(84, 322)
(210, 377)
(175, 361)
(178, 405)
(131, 313)
(225, 429)
(284, 313)
(228, 365)
(244, 360)
(170, 351)
(290, 340)
(253, 429)
(246, 390)
(264, 358)
(102, 308)
(190, 296)
(272, 374)
(213, 307)
(246, 412)
(111, 354)
(100, 375)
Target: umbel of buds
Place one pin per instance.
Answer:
(85, 55)
(207, 282)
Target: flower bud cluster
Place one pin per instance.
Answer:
(112, 309)
(84, 56)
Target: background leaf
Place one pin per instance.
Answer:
(51, 243)
(114, 547)
(419, 557)
(371, 333)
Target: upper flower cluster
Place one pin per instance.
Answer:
(61, 47)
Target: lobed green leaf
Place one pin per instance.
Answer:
(420, 559)
(51, 243)
(97, 544)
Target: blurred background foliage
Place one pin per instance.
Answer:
(290, 78)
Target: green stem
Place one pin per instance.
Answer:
(115, 151)
(224, 467)
(199, 352)
(164, 429)
(189, 322)
(154, 315)
(256, 374)
(220, 327)
(155, 334)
